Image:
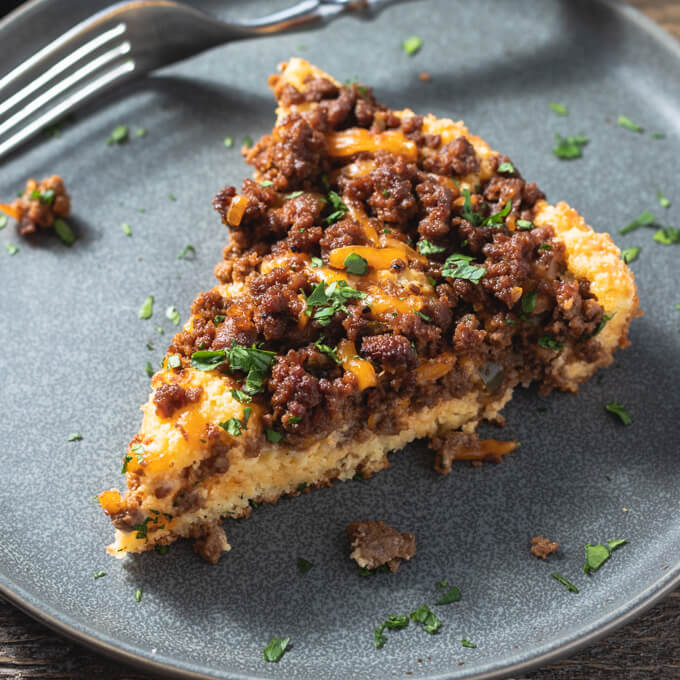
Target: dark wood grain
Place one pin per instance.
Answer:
(647, 649)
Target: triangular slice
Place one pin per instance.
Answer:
(388, 277)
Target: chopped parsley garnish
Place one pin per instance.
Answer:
(171, 314)
(44, 197)
(324, 301)
(11, 249)
(75, 437)
(667, 236)
(126, 459)
(174, 361)
(467, 643)
(524, 225)
(545, 246)
(559, 109)
(468, 213)
(457, 266)
(412, 45)
(392, 623)
(273, 436)
(317, 262)
(99, 574)
(663, 201)
(506, 167)
(233, 426)
(149, 369)
(241, 396)
(567, 584)
(266, 183)
(550, 343)
(339, 207)
(139, 450)
(172, 197)
(185, 251)
(644, 220)
(162, 549)
(64, 231)
(294, 419)
(625, 122)
(118, 135)
(140, 132)
(332, 352)
(606, 318)
(228, 142)
(426, 617)
(597, 555)
(424, 317)
(293, 195)
(658, 135)
(247, 141)
(355, 264)
(246, 416)
(3, 221)
(275, 649)
(138, 595)
(449, 594)
(426, 247)
(303, 565)
(529, 302)
(218, 319)
(629, 255)
(498, 217)
(126, 229)
(146, 310)
(620, 411)
(569, 147)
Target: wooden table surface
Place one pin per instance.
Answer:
(647, 649)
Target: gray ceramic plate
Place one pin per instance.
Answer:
(74, 353)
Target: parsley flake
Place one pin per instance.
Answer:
(146, 310)
(663, 201)
(273, 436)
(241, 396)
(559, 109)
(171, 314)
(625, 122)
(317, 262)
(644, 220)
(303, 565)
(506, 167)
(126, 229)
(293, 195)
(597, 555)
(11, 249)
(424, 317)
(324, 301)
(99, 574)
(140, 132)
(457, 266)
(449, 595)
(525, 225)
(233, 426)
(412, 45)
(550, 343)
(567, 584)
(426, 247)
(667, 236)
(568, 148)
(138, 595)
(75, 437)
(149, 369)
(247, 141)
(629, 255)
(174, 361)
(3, 221)
(339, 207)
(392, 623)
(185, 251)
(355, 264)
(118, 135)
(467, 643)
(126, 459)
(266, 183)
(332, 352)
(63, 230)
(228, 142)
(620, 411)
(275, 649)
(426, 617)
(529, 302)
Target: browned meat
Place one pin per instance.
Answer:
(41, 203)
(169, 397)
(542, 547)
(374, 544)
(210, 541)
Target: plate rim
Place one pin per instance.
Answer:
(625, 613)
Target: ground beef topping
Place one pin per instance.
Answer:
(359, 264)
(542, 547)
(375, 544)
(40, 204)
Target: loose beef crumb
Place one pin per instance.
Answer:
(542, 547)
(169, 397)
(40, 204)
(374, 544)
(211, 541)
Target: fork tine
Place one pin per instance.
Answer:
(63, 85)
(65, 106)
(68, 61)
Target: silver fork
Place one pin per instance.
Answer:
(126, 41)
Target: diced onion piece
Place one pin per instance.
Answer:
(361, 368)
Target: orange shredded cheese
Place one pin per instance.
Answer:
(354, 140)
(361, 368)
(9, 210)
(378, 258)
(236, 209)
(486, 448)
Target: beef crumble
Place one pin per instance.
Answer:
(542, 547)
(40, 204)
(375, 544)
